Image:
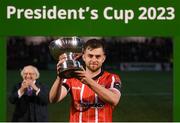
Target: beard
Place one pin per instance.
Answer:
(93, 68)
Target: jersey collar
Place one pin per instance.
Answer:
(97, 76)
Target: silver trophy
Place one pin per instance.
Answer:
(68, 46)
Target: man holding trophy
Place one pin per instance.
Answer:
(94, 92)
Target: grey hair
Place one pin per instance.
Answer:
(34, 68)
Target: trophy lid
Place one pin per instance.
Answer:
(65, 45)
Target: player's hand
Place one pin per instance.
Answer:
(77, 55)
(62, 58)
(83, 76)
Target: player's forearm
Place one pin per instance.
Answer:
(105, 94)
(55, 91)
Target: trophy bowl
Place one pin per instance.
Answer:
(68, 46)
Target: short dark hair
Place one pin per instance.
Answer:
(94, 43)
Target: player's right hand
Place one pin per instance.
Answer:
(62, 59)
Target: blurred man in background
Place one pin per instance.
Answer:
(30, 97)
(94, 92)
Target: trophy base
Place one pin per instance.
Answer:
(69, 73)
(68, 69)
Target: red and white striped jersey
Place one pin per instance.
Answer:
(85, 105)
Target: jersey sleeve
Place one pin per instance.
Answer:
(115, 83)
(67, 85)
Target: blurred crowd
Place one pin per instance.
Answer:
(22, 51)
(157, 50)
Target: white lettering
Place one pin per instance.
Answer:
(105, 13)
(10, 11)
(94, 14)
(110, 14)
(129, 15)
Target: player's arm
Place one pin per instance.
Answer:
(111, 96)
(58, 92)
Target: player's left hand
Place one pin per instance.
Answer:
(77, 56)
(83, 76)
